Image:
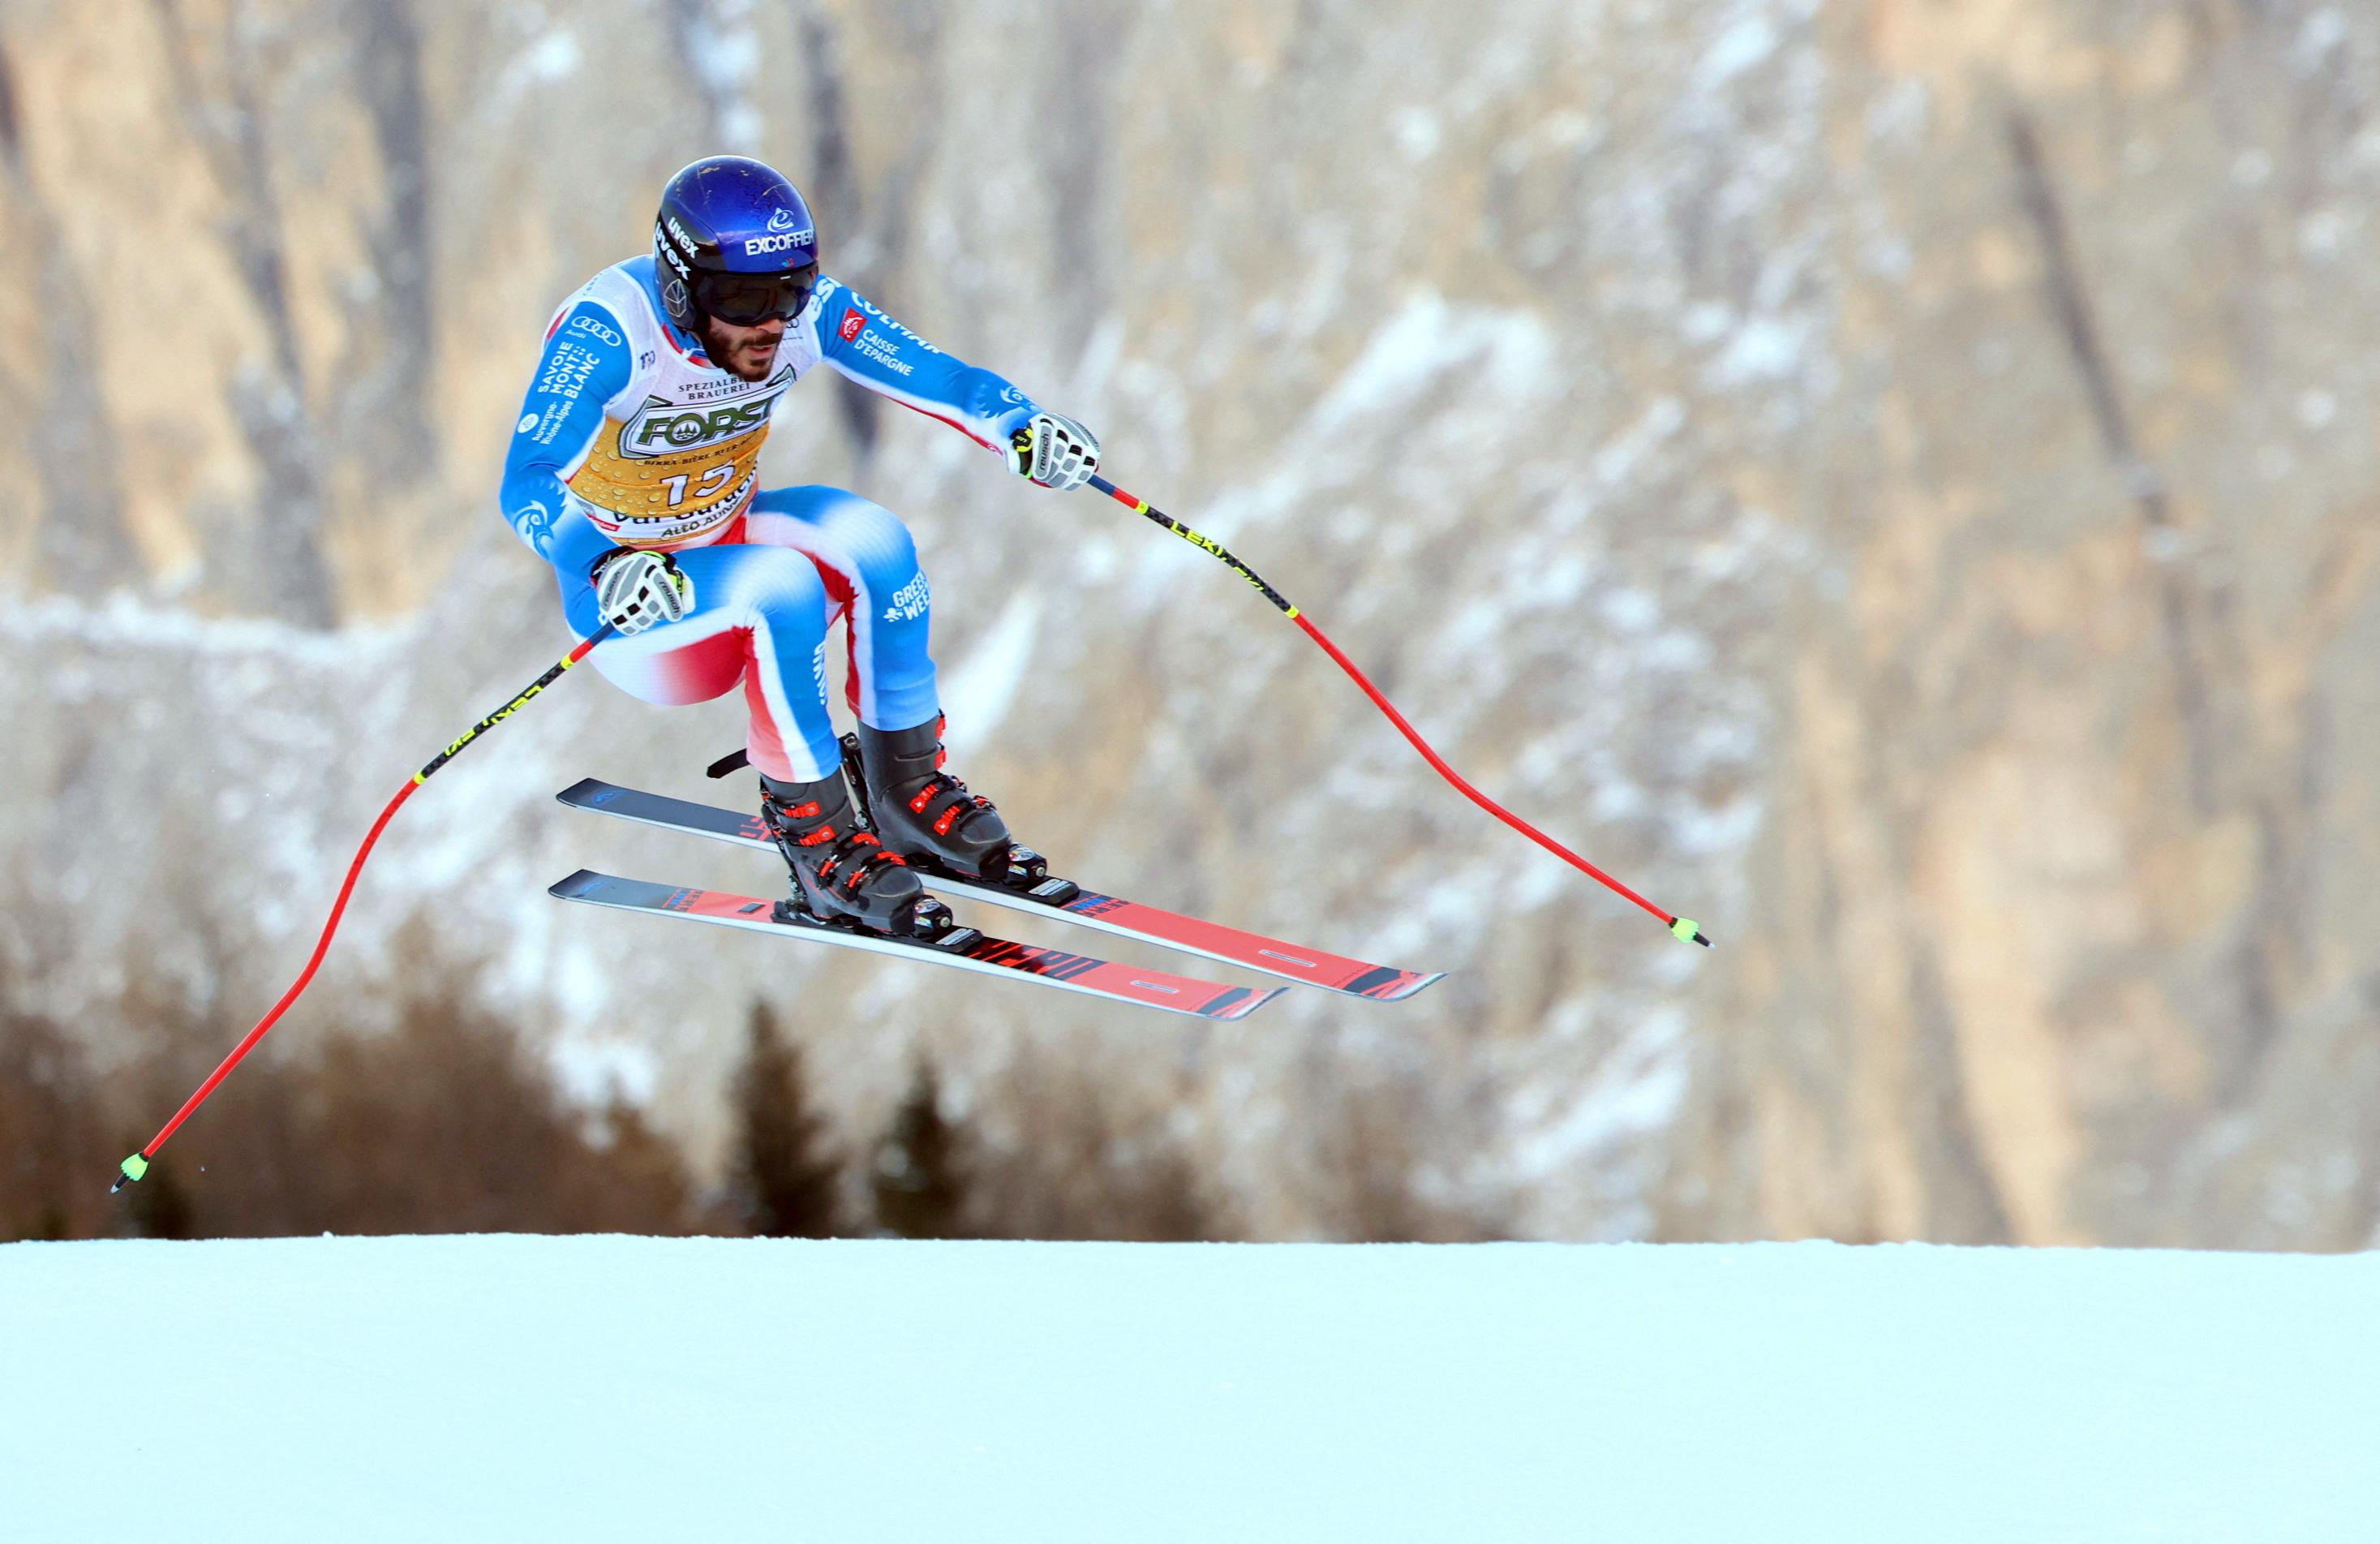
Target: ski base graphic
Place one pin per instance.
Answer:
(964, 948)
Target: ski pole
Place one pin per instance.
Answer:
(1683, 927)
(132, 1168)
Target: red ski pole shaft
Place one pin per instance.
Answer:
(1683, 927)
(132, 1168)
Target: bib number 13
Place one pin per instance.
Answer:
(709, 483)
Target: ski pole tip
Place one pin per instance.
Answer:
(130, 1169)
(1689, 930)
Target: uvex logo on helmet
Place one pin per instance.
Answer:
(670, 252)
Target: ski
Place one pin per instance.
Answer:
(1046, 895)
(964, 947)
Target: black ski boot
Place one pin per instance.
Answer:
(841, 873)
(922, 811)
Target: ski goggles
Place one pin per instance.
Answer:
(748, 299)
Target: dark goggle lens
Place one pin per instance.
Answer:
(748, 299)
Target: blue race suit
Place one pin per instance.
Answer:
(629, 436)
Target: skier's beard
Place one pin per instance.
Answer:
(748, 353)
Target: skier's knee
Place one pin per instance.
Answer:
(783, 587)
(878, 539)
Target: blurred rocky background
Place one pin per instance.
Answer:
(1895, 480)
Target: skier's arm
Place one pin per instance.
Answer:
(856, 336)
(858, 339)
(586, 363)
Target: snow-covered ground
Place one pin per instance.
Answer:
(519, 1388)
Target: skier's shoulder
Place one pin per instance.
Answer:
(831, 302)
(619, 307)
(855, 328)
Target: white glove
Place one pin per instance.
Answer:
(636, 590)
(1054, 452)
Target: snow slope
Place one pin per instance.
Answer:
(598, 1388)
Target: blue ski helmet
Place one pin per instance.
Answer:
(734, 240)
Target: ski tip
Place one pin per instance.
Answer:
(583, 792)
(1386, 983)
(575, 886)
(1418, 984)
(1242, 1007)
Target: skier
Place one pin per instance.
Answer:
(634, 471)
